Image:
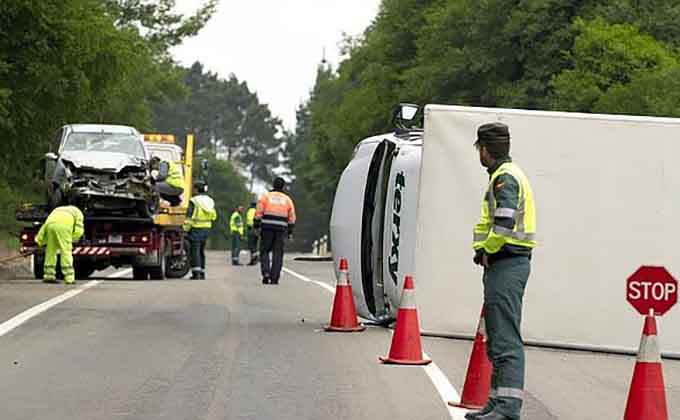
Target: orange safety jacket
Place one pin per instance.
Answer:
(275, 211)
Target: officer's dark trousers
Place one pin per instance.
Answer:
(504, 283)
(235, 247)
(252, 245)
(198, 238)
(271, 241)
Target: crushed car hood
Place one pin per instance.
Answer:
(102, 161)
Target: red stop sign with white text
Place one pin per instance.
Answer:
(652, 288)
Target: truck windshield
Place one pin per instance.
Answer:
(105, 142)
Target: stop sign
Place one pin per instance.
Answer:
(652, 288)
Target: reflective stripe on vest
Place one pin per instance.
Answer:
(523, 233)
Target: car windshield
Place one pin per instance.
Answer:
(105, 142)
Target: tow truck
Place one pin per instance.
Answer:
(155, 247)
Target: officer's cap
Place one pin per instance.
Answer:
(495, 132)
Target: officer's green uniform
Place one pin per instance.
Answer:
(63, 227)
(252, 234)
(505, 233)
(236, 232)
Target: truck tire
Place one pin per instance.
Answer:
(178, 266)
(83, 270)
(39, 266)
(140, 273)
(158, 272)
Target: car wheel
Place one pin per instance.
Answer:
(140, 273)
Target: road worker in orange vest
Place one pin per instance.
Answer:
(275, 218)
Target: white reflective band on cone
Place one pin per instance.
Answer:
(408, 299)
(649, 349)
(343, 279)
(510, 393)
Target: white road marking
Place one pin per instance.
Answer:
(14, 322)
(441, 383)
(308, 280)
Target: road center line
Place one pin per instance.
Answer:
(441, 383)
(17, 320)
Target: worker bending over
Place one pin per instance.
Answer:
(63, 227)
(503, 241)
(201, 214)
(236, 232)
(275, 217)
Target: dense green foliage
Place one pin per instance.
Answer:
(228, 119)
(108, 61)
(608, 56)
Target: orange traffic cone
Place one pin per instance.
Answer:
(344, 315)
(406, 348)
(478, 378)
(647, 396)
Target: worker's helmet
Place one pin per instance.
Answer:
(279, 183)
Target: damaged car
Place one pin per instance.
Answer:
(102, 169)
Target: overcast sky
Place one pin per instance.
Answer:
(275, 45)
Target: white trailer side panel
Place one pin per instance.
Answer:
(607, 202)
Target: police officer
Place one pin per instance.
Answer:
(201, 214)
(169, 180)
(251, 232)
(236, 232)
(63, 227)
(275, 217)
(503, 242)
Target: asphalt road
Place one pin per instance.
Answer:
(232, 348)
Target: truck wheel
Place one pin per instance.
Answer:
(140, 273)
(148, 208)
(83, 271)
(158, 272)
(178, 266)
(39, 266)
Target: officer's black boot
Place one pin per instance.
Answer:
(195, 275)
(475, 415)
(494, 415)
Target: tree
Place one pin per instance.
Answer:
(228, 119)
(616, 68)
(163, 27)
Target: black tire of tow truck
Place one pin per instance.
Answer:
(140, 273)
(39, 266)
(83, 271)
(178, 272)
(158, 272)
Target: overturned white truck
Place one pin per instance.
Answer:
(606, 191)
